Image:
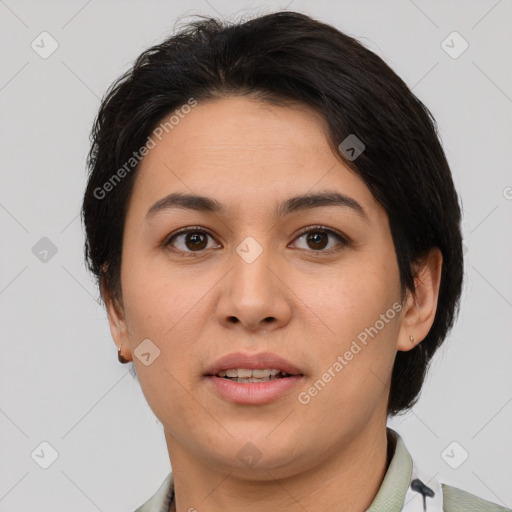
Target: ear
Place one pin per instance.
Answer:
(116, 319)
(420, 307)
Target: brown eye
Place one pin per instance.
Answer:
(318, 239)
(195, 241)
(189, 241)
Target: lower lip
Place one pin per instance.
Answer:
(253, 392)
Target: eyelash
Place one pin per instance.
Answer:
(198, 229)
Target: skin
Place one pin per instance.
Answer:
(249, 156)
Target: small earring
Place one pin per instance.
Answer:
(122, 360)
(411, 338)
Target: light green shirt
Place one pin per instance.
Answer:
(394, 495)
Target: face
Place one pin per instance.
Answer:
(317, 286)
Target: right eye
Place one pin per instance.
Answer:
(191, 240)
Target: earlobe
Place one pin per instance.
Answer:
(421, 306)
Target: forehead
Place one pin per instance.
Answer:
(243, 151)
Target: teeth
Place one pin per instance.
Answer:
(259, 374)
(243, 373)
(252, 379)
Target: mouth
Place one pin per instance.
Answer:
(246, 366)
(253, 379)
(247, 375)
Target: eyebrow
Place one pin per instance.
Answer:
(287, 207)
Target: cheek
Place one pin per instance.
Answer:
(360, 305)
(353, 295)
(352, 380)
(160, 298)
(168, 310)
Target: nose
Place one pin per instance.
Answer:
(254, 294)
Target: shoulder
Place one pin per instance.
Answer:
(457, 500)
(161, 500)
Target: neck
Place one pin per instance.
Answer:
(348, 480)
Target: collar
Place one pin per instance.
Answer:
(405, 484)
(399, 491)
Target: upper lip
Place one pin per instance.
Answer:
(259, 361)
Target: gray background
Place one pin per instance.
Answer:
(60, 379)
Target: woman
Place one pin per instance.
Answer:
(276, 236)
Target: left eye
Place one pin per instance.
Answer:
(318, 239)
